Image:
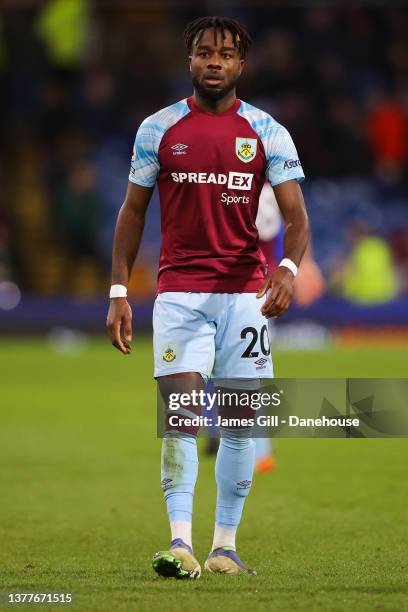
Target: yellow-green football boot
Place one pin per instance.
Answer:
(178, 562)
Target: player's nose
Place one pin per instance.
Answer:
(213, 65)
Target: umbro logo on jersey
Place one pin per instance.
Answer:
(179, 149)
(233, 180)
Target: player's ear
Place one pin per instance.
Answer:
(241, 66)
(189, 62)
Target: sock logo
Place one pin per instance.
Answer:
(244, 484)
(165, 483)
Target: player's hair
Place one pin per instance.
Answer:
(240, 35)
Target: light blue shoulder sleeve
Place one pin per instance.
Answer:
(282, 161)
(145, 165)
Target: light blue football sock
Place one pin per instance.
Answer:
(179, 468)
(234, 470)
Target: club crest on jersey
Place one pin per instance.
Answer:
(245, 149)
(169, 353)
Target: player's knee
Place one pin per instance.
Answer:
(180, 418)
(184, 428)
(237, 440)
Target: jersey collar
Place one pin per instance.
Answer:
(230, 111)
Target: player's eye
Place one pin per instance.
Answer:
(203, 53)
(226, 56)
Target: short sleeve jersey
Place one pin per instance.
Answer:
(210, 169)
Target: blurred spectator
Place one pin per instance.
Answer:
(3, 56)
(78, 210)
(5, 259)
(310, 284)
(62, 25)
(99, 111)
(369, 275)
(346, 139)
(399, 243)
(388, 136)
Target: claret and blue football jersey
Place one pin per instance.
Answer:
(210, 169)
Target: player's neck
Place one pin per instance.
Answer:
(216, 106)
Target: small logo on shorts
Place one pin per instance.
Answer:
(169, 355)
(261, 363)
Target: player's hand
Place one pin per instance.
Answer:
(279, 288)
(119, 324)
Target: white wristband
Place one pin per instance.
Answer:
(288, 263)
(117, 291)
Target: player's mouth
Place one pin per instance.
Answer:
(212, 80)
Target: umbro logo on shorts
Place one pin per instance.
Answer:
(261, 361)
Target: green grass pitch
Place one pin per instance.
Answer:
(81, 507)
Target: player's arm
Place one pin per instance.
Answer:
(280, 282)
(128, 234)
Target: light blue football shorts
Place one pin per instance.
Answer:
(223, 335)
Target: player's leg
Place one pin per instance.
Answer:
(265, 461)
(212, 442)
(234, 472)
(182, 341)
(179, 469)
(242, 358)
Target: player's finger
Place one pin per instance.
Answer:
(278, 305)
(263, 289)
(127, 347)
(270, 299)
(281, 306)
(116, 339)
(275, 311)
(127, 328)
(281, 297)
(109, 329)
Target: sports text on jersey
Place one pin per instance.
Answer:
(229, 199)
(233, 180)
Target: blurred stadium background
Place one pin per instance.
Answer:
(77, 77)
(81, 507)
